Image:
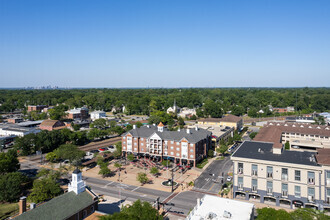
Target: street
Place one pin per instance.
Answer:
(210, 180)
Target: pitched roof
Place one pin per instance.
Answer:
(49, 123)
(160, 124)
(61, 207)
(231, 118)
(323, 156)
(194, 135)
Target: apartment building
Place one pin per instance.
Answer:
(36, 108)
(265, 172)
(302, 136)
(77, 113)
(185, 146)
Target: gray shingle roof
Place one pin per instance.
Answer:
(60, 207)
(250, 150)
(193, 137)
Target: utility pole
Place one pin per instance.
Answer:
(172, 179)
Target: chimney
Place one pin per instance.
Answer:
(134, 126)
(188, 131)
(196, 128)
(22, 205)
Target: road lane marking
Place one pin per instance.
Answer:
(211, 187)
(108, 184)
(135, 189)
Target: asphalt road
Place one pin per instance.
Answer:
(210, 179)
(179, 203)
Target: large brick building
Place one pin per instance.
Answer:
(185, 146)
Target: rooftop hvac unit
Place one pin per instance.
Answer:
(226, 214)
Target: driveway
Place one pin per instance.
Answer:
(210, 179)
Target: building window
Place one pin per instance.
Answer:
(311, 194)
(191, 145)
(311, 177)
(269, 187)
(142, 144)
(84, 213)
(135, 148)
(240, 168)
(240, 183)
(191, 156)
(172, 147)
(285, 174)
(254, 170)
(177, 154)
(254, 185)
(269, 172)
(172, 153)
(124, 147)
(172, 142)
(284, 189)
(297, 175)
(328, 196)
(142, 139)
(191, 150)
(92, 208)
(142, 149)
(177, 143)
(135, 144)
(124, 142)
(124, 137)
(177, 149)
(297, 191)
(328, 177)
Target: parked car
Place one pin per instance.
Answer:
(102, 149)
(228, 178)
(94, 151)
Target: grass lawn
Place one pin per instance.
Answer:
(7, 209)
(202, 164)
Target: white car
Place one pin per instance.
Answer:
(228, 178)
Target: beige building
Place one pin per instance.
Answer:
(299, 135)
(266, 173)
(229, 121)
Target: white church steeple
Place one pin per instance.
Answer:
(77, 184)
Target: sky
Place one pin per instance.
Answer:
(164, 43)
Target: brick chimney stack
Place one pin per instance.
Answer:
(22, 204)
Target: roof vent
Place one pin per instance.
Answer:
(134, 126)
(301, 126)
(285, 125)
(278, 124)
(259, 150)
(309, 126)
(179, 129)
(327, 128)
(211, 215)
(226, 214)
(318, 127)
(196, 128)
(148, 126)
(188, 131)
(294, 126)
(270, 123)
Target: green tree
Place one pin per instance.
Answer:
(181, 122)
(137, 211)
(287, 145)
(11, 186)
(253, 134)
(99, 123)
(138, 124)
(43, 189)
(118, 165)
(154, 171)
(58, 112)
(104, 170)
(210, 153)
(130, 157)
(51, 157)
(270, 213)
(142, 178)
(9, 162)
(69, 152)
(118, 151)
(222, 149)
(113, 123)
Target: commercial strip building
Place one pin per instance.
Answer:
(265, 172)
(300, 119)
(213, 207)
(7, 130)
(304, 136)
(37, 108)
(227, 121)
(185, 146)
(51, 125)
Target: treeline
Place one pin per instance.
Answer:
(211, 102)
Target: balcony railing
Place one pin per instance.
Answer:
(254, 173)
(311, 181)
(269, 175)
(285, 193)
(270, 191)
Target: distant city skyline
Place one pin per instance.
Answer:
(164, 44)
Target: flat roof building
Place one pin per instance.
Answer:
(213, 207)
(265, 172)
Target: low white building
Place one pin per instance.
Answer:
(12, 129)
(187, 112)
(216, 208)
(97, 115)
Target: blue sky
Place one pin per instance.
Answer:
(165, 43)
